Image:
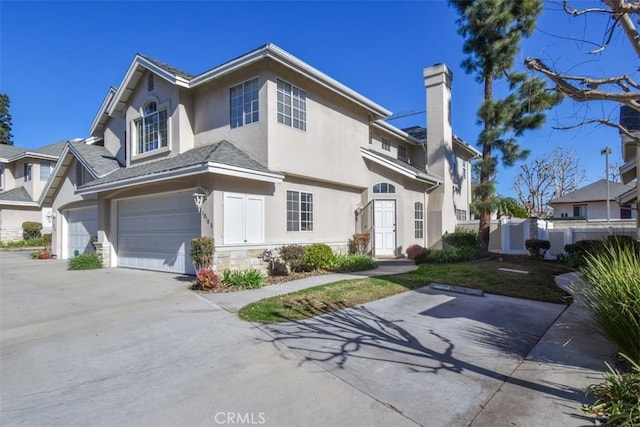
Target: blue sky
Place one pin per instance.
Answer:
(57, 59)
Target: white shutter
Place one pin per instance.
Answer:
(254, 219)
(233, 218)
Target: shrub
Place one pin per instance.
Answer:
(31, 230)
(293, 256)
(24, 243)
(206, 279)
(612, 294)
(347, 263)
(618, 398)
(418, 254)
(537, 248)
(44, 254)
(47, 240)
(243, 279)
(361, 241)
(202, 252)
(317, 256)
(584, 247)
(453, 254)
(88, 261)
(460, 239)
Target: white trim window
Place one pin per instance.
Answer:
(299, 211)
(151, 128)
(419, 220)
(402, 152)
(26, 171)
(292, 106)
(45, 171)
(461, 214)
(243, 103)
(386, 144)
(384, 188)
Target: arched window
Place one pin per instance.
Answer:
(151, 129)
(419, 220)
(384, 188)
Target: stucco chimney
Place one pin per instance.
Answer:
(441, 215)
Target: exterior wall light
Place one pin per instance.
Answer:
(199, 197)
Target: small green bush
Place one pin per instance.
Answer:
(31, 230)
(243, 279)
(47, 240)
(89, 261)
(452, 254)
(293, 256)
(202, 252)
(31, 243)
(460, 239)
(317, 256)
(537, 248)
(618, 398)
(348, 263)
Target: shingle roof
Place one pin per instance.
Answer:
(596, 191)
(418, 171)
(418, 132)
(9, 151)
(98, 157)
(52, 149)
(223, 152)
(167, 67)
(16, 195)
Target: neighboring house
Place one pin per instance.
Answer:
(590, 203)
(630, 119)
(261, 151)
(23, 175)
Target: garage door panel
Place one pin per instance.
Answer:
(155, 233)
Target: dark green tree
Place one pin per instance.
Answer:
(5, 120)
(492, 30)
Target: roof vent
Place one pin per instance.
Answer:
(150, 82)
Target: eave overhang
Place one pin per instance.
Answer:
(422, 177)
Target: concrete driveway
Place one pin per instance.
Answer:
(127, 347)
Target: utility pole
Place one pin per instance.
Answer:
(606, 151)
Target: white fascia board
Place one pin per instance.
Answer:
(472, 150)
(628, 196)
(222, 169)
(384, 126)
(54, 173)
(16, 203)
(136, 66)
(396, 168)
(145, 179)
(281, 56)
(102, 111)
(33, 155)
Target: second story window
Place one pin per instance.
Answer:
(384, 188)
(45, 171)
(292, 106)
(243, 103)
(386, 144)
(402, 152)
(27, 171)
(151, 129)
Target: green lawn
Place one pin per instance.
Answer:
(484, 274)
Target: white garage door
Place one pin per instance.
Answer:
(81, 225)
(154, 233)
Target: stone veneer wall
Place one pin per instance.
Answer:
(12, 234)
(246, 259)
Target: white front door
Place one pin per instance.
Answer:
(385, 227)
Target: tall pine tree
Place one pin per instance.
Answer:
(492, 30)
(5, 121)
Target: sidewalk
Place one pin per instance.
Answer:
(234, 301)
(570, 356)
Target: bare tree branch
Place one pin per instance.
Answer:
(632, 135)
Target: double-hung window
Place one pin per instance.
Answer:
(45, 171)
(151, 129)
(419, 220)
(244, 103)
(386, 144)
(299, 211)
(26, 172)
(292, 106)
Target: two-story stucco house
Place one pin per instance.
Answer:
(23, 175)
(261, 151)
